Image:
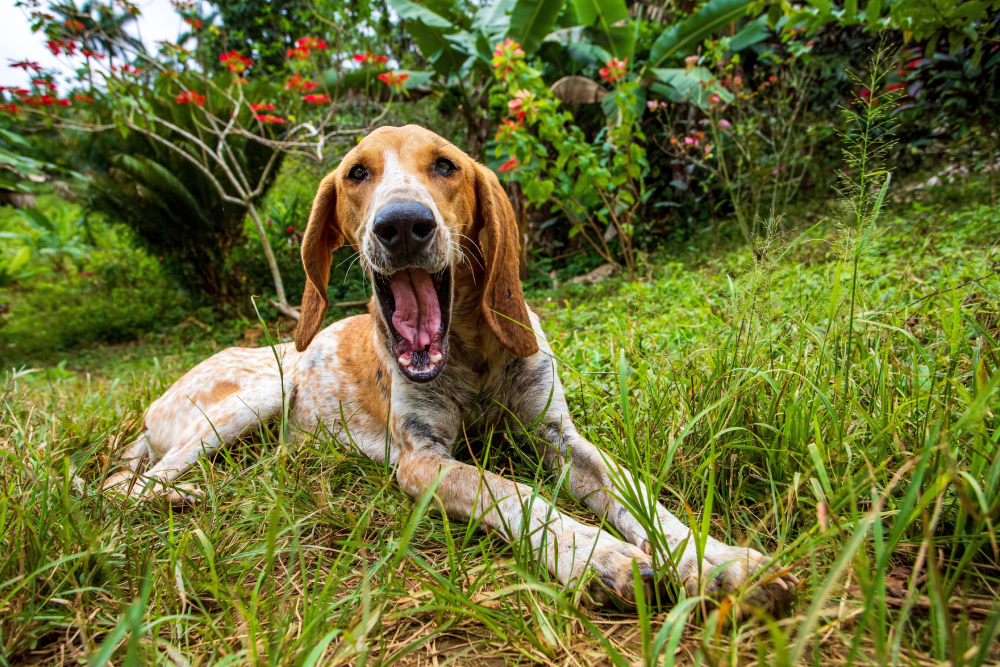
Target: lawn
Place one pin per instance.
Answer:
(826, 397)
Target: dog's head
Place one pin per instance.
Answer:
(407, 201)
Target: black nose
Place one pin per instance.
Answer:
(404, 228)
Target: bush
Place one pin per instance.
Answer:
(117, 293)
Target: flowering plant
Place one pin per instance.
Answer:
(236, 62)
(598, 185)
(394, 80)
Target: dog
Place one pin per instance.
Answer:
(448, 330)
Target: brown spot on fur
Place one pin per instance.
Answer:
(222, 389)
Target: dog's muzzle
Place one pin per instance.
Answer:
(415, 304)
(404, 229)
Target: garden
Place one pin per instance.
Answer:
(761, 237)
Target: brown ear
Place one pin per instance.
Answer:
(503, 300)
(323, 236)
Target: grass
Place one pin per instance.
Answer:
(858, 444)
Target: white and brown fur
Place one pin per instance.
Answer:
(498, 360)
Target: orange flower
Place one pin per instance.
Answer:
(194, 23)
(268, 118)
(308, 44)
(394, 79)
(509, 165)
(235, 61)
(84, 98)
(615, 70)
(507, 129)
(369, 58)
(316, 99)
(296, 54)
(73, 24)
(190, 97)
(298, 84)
(262, 106)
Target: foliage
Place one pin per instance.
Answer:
(598, 185)
(82, 282)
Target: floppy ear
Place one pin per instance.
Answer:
(503, 301)
(323, 236)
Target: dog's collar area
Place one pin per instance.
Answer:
(416, 308)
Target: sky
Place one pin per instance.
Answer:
(158, 22)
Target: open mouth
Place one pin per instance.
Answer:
(417, 307)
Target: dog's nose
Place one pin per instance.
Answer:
(404, 227)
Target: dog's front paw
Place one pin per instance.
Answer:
(742, 571)
(611, 559)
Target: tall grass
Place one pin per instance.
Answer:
(830, 399)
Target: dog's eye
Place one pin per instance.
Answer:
(357, 173)
(444, 166)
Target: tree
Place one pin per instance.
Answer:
(232, 131)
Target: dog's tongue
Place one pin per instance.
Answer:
(417, 317)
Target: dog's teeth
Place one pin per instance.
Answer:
(436, 357)
(403, 361)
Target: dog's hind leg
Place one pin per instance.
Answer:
(131, 458)
(220, 400)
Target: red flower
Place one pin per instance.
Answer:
(190, 97)
(73, 24)
(772, 79)
(45, 83)
(299, 84)
(235, 61)
(262, 106)
(63, 103)
(714, 98)
(57, 46)
(394, 79)
(369, 58)
(507, 128)
(268, 118)
(296, 54)
(10, 108)
(615, 70)
(194, 23)
(84, 98)
(509, 165)
(20, 92)
(290, 229)
(308, 44)
(26, 65)
(865, 94)
(523, 105)
(506, 53)
(87, 53)
(895, 86)
(317, 99)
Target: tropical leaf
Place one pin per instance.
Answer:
(752, 33)
(532, 20)
(411, 11)
(693, 30)
(437, 48)
(681, 85)
(608, 11)
(493, 18)
(617, 40)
